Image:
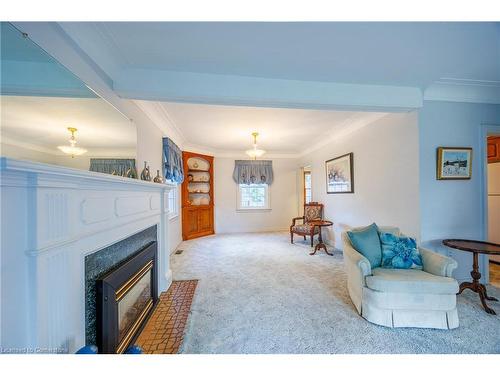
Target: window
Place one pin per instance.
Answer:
(173, 204)
(307, 187)
(253, 197)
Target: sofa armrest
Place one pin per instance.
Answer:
(437, 264)
(355, 261)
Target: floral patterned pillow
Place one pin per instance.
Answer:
(399, 252)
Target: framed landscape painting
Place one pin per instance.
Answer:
(339, 174)
(454, 163)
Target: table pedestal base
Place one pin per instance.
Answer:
(477, 287)
(319, 246)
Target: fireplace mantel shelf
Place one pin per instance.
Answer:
(56, 171)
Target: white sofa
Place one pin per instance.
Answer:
(403, 298)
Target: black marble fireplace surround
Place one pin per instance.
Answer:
(103, 261)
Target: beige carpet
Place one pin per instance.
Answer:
(257, 293)
(495, 274)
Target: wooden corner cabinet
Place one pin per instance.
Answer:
(197, 196)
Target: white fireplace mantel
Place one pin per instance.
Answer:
(51, 218)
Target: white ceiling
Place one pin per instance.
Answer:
(285, 132)
(386, 53)
(43, 122)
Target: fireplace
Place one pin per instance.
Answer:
(125, 298)
(71, 227)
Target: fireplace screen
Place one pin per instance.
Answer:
(133, 304)
(126, 296)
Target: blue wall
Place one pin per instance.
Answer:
(452, 208)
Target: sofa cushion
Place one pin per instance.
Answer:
(304, 228)
(410, 281)
(366, 241)
(399, 251)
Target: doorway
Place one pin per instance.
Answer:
(493, 176)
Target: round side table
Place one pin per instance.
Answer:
(476, 248)
(320, 245)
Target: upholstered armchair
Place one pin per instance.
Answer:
(312, 211)
(403, 297)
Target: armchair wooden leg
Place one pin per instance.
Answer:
(291, 237)
(304, 238)
(312, 239)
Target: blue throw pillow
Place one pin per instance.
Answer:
(399, 252)
(366, 241)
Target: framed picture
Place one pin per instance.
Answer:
(454, 163)
(339, 174)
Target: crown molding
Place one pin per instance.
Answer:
(463, 90)
(157, 114)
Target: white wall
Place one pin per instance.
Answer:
(283, 199)
(386, 186)
(149, 147)
(175, 225)
(494, 205)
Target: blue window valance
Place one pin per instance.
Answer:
(253, 172)
(173, 169)
(120, 167)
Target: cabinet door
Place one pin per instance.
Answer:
(190, 219)
(205, 219)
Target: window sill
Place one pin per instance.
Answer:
(253, 209)
(171, 217)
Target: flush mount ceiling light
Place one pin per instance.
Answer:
(72, 149)
(255, 152)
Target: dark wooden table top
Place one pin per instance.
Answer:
(473, 246)
(321, 223)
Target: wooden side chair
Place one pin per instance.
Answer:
(312, 211)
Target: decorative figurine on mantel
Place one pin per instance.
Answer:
(158, 178)
(131, 173)
(146, 174)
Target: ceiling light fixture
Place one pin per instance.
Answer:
(255, 152)
(72, 149)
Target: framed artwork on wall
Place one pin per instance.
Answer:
(454, 163)
(340, 174)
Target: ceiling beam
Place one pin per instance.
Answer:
(160, 85)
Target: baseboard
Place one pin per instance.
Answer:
(267, 230)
